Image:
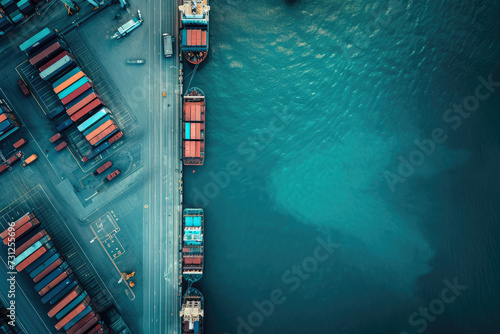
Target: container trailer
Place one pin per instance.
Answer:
(80, 90)
(44, 55)
(58, 271)
(55, 137)
(3, 167)
(32, 239)
(72, 304)
(97, 116)
(14, 158)
(64, 125)
(103, 168)
(44, 265)
(72, 87)
(82, 102)
(56, 69)
(113, 175)
(66, 84)
(55, 296)
(87, 110)
(96, 125)
(55, 282)
(100, 129)
(54, 60)
(61, 146)
(21, 230)
(103, 135)
(70, 316)
(115, 137)
(41, 259)
(88, 95)
(56, 112)
(79, 317)
(20, 222)
(65, 77)
(88, 319)
(22, 86)
(20, 143)
(30, 159)
(60, 290)
(50, 268)
(37, 254)
(35, 41)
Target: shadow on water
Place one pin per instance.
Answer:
(291, 2)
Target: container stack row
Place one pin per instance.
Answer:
(13, 12)
(81, 104)
(54, 280)
(8, 121)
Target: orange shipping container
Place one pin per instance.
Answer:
(198, 37)
(30, 259)
(204, 38)
(197, 149)
(65, 301)
(68, 82)
(20, 222)
(81, 104)
(2, 118)
(30, 242)
(99, 129)
(103, 134)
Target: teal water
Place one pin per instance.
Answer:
(309, 117)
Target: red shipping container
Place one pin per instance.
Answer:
(48, 270)
(20, 222)
(54, 60)
(23, 229)
(204, 38)
(71, 315)
(56, 281)
(55, 137)
(81, 104)
(115, 137)
(99, 129)
(85, 110)
(45, 53)
(61, 146)
(85, 323)
(30, 242)
(76, 93)
(197, 153)
(30, 259)
(198, 37)
(65, 301)
(95, 330)
(103, 134)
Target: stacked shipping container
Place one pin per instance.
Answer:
(13, 12)
(55, 282)
(73, 88)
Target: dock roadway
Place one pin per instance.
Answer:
(162, 211)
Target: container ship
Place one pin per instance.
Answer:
(194, 17)
(192, 245)
(192, 312)
(193, 127)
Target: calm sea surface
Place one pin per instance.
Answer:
(352, 172)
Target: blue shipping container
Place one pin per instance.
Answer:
(98, 150)
(79, 98)
(63, 292)
(187, 126)
(98, 115)
(21, 257)
(77, 318)
(96, 125)
(44, 265)
(66, 77)
(41, 259)
(64, 125)
(50, 277)
(36, 40)
(72, 87)
(61, 288)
